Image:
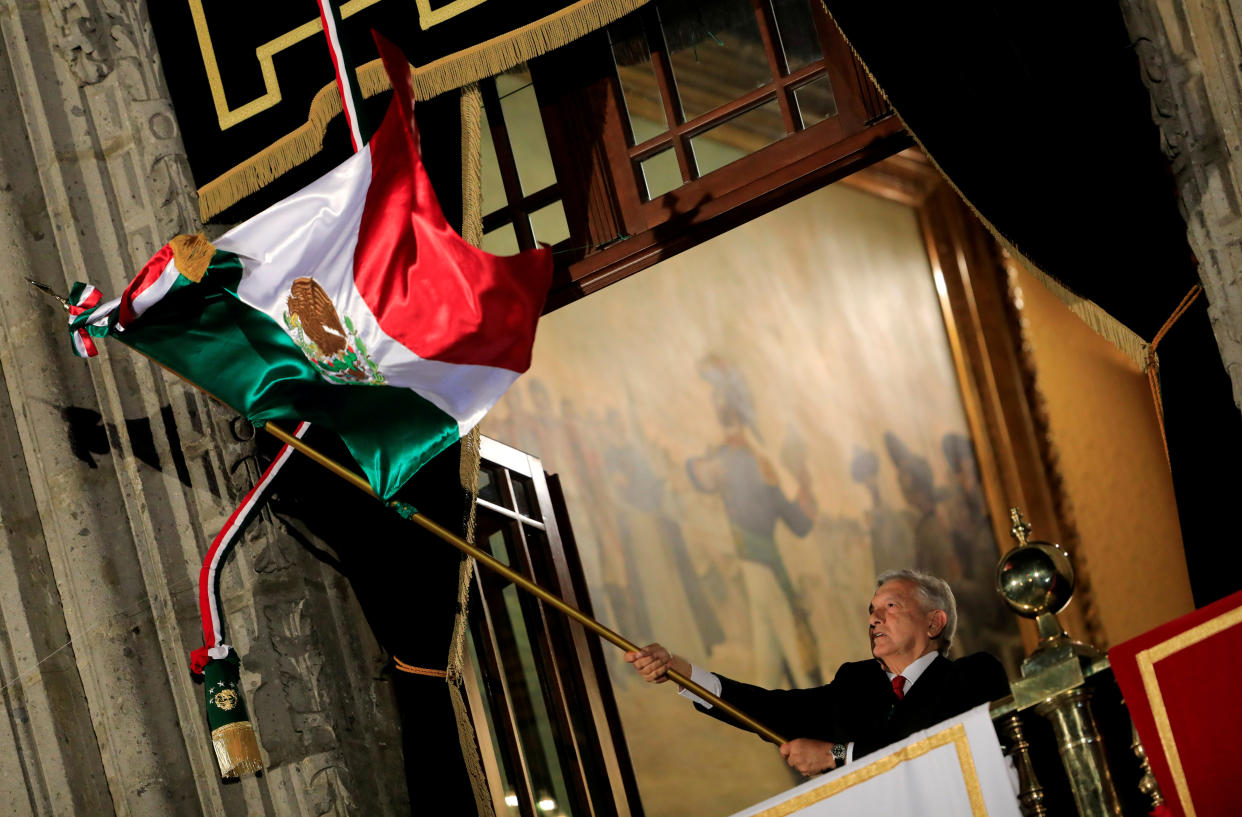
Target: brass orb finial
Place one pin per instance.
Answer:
(1034, 577)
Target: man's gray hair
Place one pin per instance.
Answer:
(933, 593)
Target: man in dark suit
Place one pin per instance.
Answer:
(908, 686)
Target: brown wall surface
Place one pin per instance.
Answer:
(1103, 426)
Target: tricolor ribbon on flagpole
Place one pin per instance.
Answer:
(214, 646)
(83, 298)
(346, 80)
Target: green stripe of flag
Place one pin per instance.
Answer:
(203, 332)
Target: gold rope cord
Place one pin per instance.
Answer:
(1100, 322)
(413, 670)
(472, 232)
(469, 65)
(1153, 362)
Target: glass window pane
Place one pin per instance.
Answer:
(734, 139)
(501, 241)
(795, 30)
(639, 92)
(526, 136)
(524, 492)
(661, 174)
(497, 750)
(715, 50)
(493, 183)
(549, 224)
(535, 724)
(815, 101)
(489, 489)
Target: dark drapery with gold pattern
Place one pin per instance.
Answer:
(253, 84)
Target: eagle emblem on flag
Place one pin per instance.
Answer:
(327, 340)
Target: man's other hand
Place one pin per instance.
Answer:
(653, 663)
(808, 756)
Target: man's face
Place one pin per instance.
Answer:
(900, 631)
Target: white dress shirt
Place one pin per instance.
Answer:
(711, 683)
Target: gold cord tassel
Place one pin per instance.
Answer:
(237, 749)
(232, 733)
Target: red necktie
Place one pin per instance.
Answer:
(899, 686)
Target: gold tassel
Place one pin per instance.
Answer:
(237, 749)
(192, 254)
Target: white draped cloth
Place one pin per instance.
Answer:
(954, 769)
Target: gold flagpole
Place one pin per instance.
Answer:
(496, 566)
(482, 557)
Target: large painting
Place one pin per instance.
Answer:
(746, 434)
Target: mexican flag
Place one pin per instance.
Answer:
(351, 304)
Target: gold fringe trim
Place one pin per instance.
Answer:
(237, 749)
(192, 254)
(472, 176)
(1090, 313)
(470, 753)
(273, 161)
(453, 71)
(532, 40)
(1103, 324)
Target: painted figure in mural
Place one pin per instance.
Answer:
(648, 534)
(609, 564)
(559, 443)
(892, 529)
(970, 528)
(933, 547)
(644, 501)
(754, 504)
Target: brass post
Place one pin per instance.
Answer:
(1082, 752)
(1147, 782)
(1030, 792)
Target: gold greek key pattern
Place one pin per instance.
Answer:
(955, 735)
(1151, 684)
(231, 116)
(427, 17)
(471, 64)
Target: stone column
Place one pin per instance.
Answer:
(114, 477)
(1191, 54)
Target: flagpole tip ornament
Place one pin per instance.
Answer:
(47, 290)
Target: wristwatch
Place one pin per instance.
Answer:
(838, 753)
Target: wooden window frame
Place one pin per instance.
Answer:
(577, 696)
(518, 206)
(614, 232)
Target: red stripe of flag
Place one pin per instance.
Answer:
(430, 290)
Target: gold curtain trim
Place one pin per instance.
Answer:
(955, 735)
(1103, 324)
(469, 65)
(1146, 661)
